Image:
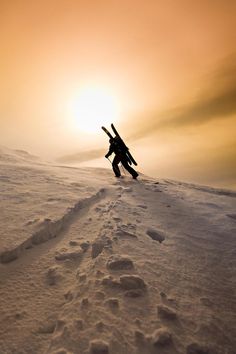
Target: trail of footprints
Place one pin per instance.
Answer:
(106, 289)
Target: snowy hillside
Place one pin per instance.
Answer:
(95, 265)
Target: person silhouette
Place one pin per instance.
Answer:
(120, 156)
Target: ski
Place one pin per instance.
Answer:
(130, 157)
(107, 132)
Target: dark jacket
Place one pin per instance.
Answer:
(116, 147)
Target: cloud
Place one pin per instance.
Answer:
(216, 102)
(82, 156)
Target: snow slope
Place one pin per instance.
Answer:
(92, 264)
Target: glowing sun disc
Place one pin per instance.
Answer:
(92, 108)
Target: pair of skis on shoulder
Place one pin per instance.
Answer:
(126, 149)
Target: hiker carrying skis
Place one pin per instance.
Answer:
(120, 156)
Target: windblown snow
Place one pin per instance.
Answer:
(94, 265)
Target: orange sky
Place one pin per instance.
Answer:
(170, 63)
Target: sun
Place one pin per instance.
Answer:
(93, 107)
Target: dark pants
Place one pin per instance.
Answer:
(117, 160)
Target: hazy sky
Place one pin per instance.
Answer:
(169, 64)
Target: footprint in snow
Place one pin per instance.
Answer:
(195, 348)
(117, 262)
(47, 327)
(155, 235)
(54, 275)
(98, 347)
(232, 216)
(142, 206)
(166, 313)
(123, 233)
(117, 219)
(128, 190)
(73, 243)
(161, 337)
(62, 256)
(113, 304)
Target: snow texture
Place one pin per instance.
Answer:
(91, 264)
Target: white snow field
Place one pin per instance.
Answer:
(91, 264)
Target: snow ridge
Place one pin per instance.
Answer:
(51, 229)
(139, 267)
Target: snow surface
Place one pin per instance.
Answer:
(92, 264)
